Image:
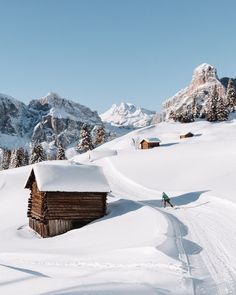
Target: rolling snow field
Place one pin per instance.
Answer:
(138, 248)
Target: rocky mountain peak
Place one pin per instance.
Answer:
(51, 119)
(127, 115)
(11, 113)
(203, 81)
(51, 97)
(203, 74)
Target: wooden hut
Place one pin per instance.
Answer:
(148, 143)
(64, 197)
(186, 135)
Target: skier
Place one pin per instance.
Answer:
(166, 199)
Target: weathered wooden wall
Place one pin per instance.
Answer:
(186, 135)
(149, 145)
(53, 213)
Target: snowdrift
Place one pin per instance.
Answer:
(138, 247)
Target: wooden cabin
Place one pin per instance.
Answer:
(186, 135)
(148, 143)
(64, 197)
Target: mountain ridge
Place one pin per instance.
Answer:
(51, 119)
(128, 115)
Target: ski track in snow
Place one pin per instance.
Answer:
(213, 240)
(213, 261)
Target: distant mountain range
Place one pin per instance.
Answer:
(128, 115)
(50, 119)
(53, 120)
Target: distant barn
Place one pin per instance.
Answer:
(64, 197)
(186, 135)
(148, 143)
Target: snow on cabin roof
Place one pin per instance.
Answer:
(69, 178)
(151, 139)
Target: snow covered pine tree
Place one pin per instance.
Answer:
(231, 96)
(212, 106)
(85, 142)
(60, 153)
(99, 135)
(6, 158)
(37, 154)
(17, 158)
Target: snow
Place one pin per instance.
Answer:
(127, 115)
(101, 153)
(138, 247)
(152, 139)
(69, 178)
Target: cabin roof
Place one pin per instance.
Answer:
(68, 178)
(151, 139)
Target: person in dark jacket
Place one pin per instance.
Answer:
(166, 199)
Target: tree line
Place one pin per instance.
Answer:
(89, 139)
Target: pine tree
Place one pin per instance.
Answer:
(185, 115)
(6, 157)
(17, 158)
(13, 159)
(231, 96)
(99, 135)
(26, 158)
(222, 112)
(211, 111)
(196, 109)
(85, 142)
(60, 153)
(37, 154)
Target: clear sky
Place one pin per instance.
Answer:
(100, 52)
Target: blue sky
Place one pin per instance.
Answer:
(100, 52)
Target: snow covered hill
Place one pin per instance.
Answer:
(139, 248)
(128, 115)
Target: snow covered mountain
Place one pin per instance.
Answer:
(59, 120)
(50, 119)
(197, 93)
(128, 115)
(14, 116)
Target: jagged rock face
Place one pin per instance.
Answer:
(203, 74)
(51, 119)
(14, 116)
(128, 115)
(60, 120)
(203, 81)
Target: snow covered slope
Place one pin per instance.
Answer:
(128, 115)
(139, 247)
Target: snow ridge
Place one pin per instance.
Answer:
(128, 115)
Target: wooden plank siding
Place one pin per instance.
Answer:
(148, 145)
(189, 134)
(53, 213)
